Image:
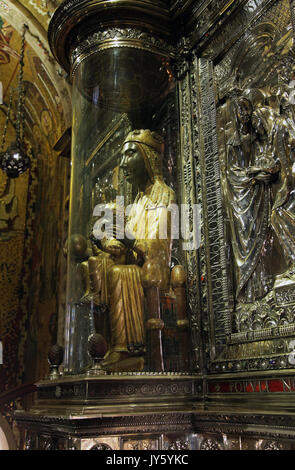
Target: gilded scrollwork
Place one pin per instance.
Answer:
(272, 445)
(210, 444)
(140, 444)
(179, 444)
(292, 12)
(101, 446)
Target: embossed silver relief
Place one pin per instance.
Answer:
(272, 316)
(275, 13)
(30, 442)
(179, 444)
(216, 265)
(101, 446)
(210, 444)
(272, 445)
(256, 131)
(140, 444)
(292, 12)
(197, 319)
(187, 181)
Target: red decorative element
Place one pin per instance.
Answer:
(252, 386)
(219, 387)
(237, 387)
(167, 301)
(276, 385)
(249, 387)
(263, 386)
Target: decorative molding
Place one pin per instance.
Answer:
(68, 24)
(108, 389)
(101, 446)
(272, 445)
(215, 279)
(292, 13)
(102, 426)
(119, 37)
(266, 363)
(179, 444)
(285, 385)
(187, 176)
(264, 333)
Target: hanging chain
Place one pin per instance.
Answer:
(7, 120)
(19, 118)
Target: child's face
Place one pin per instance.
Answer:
(244, 111)
(258, 125)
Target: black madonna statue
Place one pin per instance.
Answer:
(123, 267)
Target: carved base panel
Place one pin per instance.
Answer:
(160, 413)
(119, 412)
(161, 432)
(138, 391)
(244, 431)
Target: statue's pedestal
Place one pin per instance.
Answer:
(136, 411)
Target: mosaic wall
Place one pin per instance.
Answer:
(31, 221)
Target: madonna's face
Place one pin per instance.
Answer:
(132, 164)
(244, 111)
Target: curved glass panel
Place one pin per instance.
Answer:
(121, 252)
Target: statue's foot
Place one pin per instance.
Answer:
(114, 357)
(122, 362)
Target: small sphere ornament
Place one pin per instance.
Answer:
(55, 355)
(55, 358)
(14, 161)
(97, 348)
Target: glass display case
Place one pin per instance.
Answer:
(125, 278)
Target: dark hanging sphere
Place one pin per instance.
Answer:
(14, 161)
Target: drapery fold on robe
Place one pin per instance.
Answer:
(262, 215)
(249, 209)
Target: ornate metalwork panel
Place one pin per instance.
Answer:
(246, 254)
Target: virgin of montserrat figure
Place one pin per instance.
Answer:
(260, 188)
(140, 259)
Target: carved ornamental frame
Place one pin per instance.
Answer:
(210, 297)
